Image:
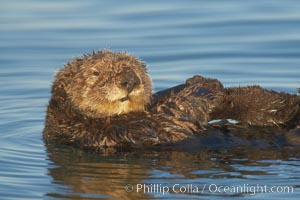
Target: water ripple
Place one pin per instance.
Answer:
(239, 42)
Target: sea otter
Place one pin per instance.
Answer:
(105, 99)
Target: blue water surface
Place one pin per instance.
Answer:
(238, 42)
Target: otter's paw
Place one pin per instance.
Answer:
(115, 136)
(120, 135)
(107, 141)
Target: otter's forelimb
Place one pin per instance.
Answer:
(260, 107)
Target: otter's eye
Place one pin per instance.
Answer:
(96, 73)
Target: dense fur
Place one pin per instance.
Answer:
(105, 99)
(256, 106)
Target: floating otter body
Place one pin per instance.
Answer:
(105, 99)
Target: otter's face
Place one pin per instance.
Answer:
(108, 84)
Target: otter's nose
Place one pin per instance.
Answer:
(128, 79)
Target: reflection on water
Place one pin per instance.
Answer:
(238, 42)
(85, 175)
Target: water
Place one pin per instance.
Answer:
(238, 42)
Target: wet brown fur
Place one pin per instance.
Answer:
(86, 108)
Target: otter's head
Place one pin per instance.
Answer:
(106, 84)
